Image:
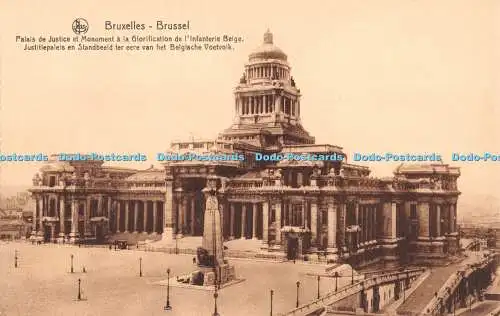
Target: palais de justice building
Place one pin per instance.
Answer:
(296, 208)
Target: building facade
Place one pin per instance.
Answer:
(299, 206)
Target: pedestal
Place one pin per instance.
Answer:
(225, 274)
(61, 238)
(168, 234)
(73, 238)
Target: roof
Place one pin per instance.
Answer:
(250, 175)
(268, 50)
(429, 168)
(151, 175)
(57, 166)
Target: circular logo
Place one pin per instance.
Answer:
(80, 26)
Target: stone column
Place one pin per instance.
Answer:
(136, 215)
(185, 214)
(61, 217)
(74, 220)
(167, 212)
(438, 220)
(108, 215)
(145, 222)
(265, 223)
(193, 212)
(304, 214)
(35, 215)
(364, 224)
(342, 208)
(423, 219)
(394, 217)
(454, 212)
(127, 204)
(110, 202)
(40, 210)
(254, 224)
(314, 223)
(118, 210)
(387, 224)
(155, 217)
(356, 214)
(222, 210)
(231, 224)
(278, 222)
(100, 201)
(87, 228)
(243, 219)
(332, 226)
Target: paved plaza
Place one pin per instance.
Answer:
(43, 285)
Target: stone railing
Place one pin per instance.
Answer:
(350, 290)
(450, 286)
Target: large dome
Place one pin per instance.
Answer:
(268, 50)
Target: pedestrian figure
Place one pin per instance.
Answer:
(194, 260)
(110, 247)
(83, 269)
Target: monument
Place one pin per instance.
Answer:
(213, 268)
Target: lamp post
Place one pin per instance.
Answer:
(352, 275)
(318, 286)
(140, 267)
(215, 304)
(298, 286)
(79, 290)
(167, 305)
(336, 275)
(272, 293)
(72, 270)
(15, 259)
(176, 245)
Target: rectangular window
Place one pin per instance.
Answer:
(52, 181)
(413, 211)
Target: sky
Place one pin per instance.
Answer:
(375, 76)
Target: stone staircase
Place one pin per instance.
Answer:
(419, 299)
(134, 238)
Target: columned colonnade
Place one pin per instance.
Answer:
(73, 217)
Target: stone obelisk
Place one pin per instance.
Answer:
(212, 232)
(215, 270)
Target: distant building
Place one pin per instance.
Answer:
(16, 222)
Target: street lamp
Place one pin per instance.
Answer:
(167, 305)
(318, 286)
(72, 263)
(176, 245)
(140, 267)
(215, 304)
(272, 293)
(298, 286)
(79, 290)
(336, 276)
(15, 259)
(352, 275)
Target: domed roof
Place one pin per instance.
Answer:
(268, 50)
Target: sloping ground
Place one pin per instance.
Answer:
(419, 299)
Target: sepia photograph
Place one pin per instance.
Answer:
(232, 158)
